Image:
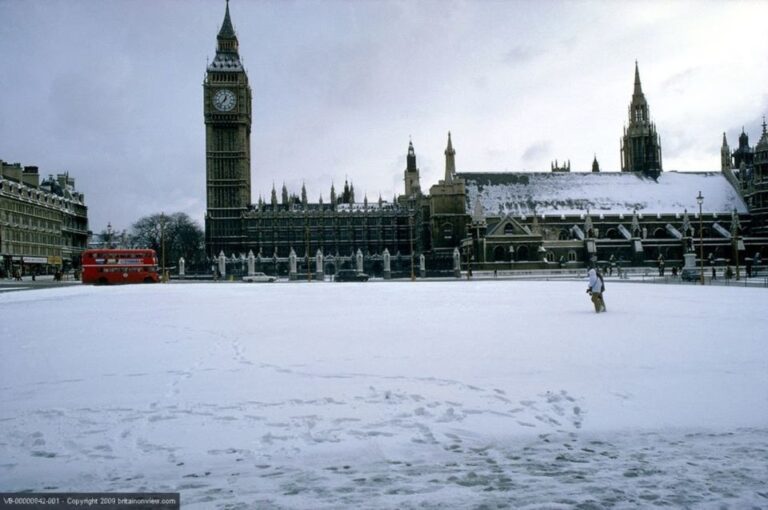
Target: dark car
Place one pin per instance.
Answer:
(350, 275)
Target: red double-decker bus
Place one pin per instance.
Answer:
(119, 266)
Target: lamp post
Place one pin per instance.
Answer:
(735, 235)
(700, 200)
(306, 254)
(162, 246)
(410, 236)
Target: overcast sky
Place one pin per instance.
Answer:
(111, 91)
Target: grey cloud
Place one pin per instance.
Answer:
(536, 151)
(679, 81)
(522, 54)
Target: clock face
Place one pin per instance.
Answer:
(224, 100)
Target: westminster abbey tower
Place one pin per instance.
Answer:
(227, 107)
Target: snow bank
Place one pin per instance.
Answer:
(388, 394)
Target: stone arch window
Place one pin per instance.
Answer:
(550, 256)
(612, 233)
(564, 235)
(572, 256)
(659, 233)
(522, 253)
(509, 229)
(499, 254)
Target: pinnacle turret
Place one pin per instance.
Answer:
(640, 145)
(450, 160)
(725, 155)
(638, 86)
(412, 183)
(411, 158)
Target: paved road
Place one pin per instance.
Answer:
(42, 282)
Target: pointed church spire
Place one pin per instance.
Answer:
(227, 39)
(725, 155)
(595, 165)
(274, 197)
(640, 145)
(450, 160)
(638, 86)
(227, 30)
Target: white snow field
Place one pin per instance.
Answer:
(481, 394)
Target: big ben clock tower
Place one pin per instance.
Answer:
(227, 106)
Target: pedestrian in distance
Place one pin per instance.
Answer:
(596, 289)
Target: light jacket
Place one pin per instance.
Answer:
(595, 284)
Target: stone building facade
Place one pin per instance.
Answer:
(43, 225)
(493, 221)
(747, 169)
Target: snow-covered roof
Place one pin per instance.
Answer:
(609, 192)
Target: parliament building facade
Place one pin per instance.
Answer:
(491, 221)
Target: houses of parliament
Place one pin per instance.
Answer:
(500, 220)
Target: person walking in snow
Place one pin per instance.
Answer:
(595, 289)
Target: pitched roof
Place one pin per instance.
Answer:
(604, 192)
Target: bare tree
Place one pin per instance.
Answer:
(182, 236)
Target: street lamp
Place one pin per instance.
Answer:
(410, 236)
(735, 235)
(162, 246)
(306, 254)
(700, 200)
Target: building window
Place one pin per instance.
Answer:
(447, 230)
(571, 256)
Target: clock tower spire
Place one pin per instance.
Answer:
(227, 112)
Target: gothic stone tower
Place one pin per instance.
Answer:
(640, 146)
(412, 184)
(447, 209)
(227, 107)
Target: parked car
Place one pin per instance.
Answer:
(258, 278)
(350, 275)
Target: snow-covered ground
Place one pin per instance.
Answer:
(461, 394)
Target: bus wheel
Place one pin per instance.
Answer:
(102, 281)
(148, 280)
